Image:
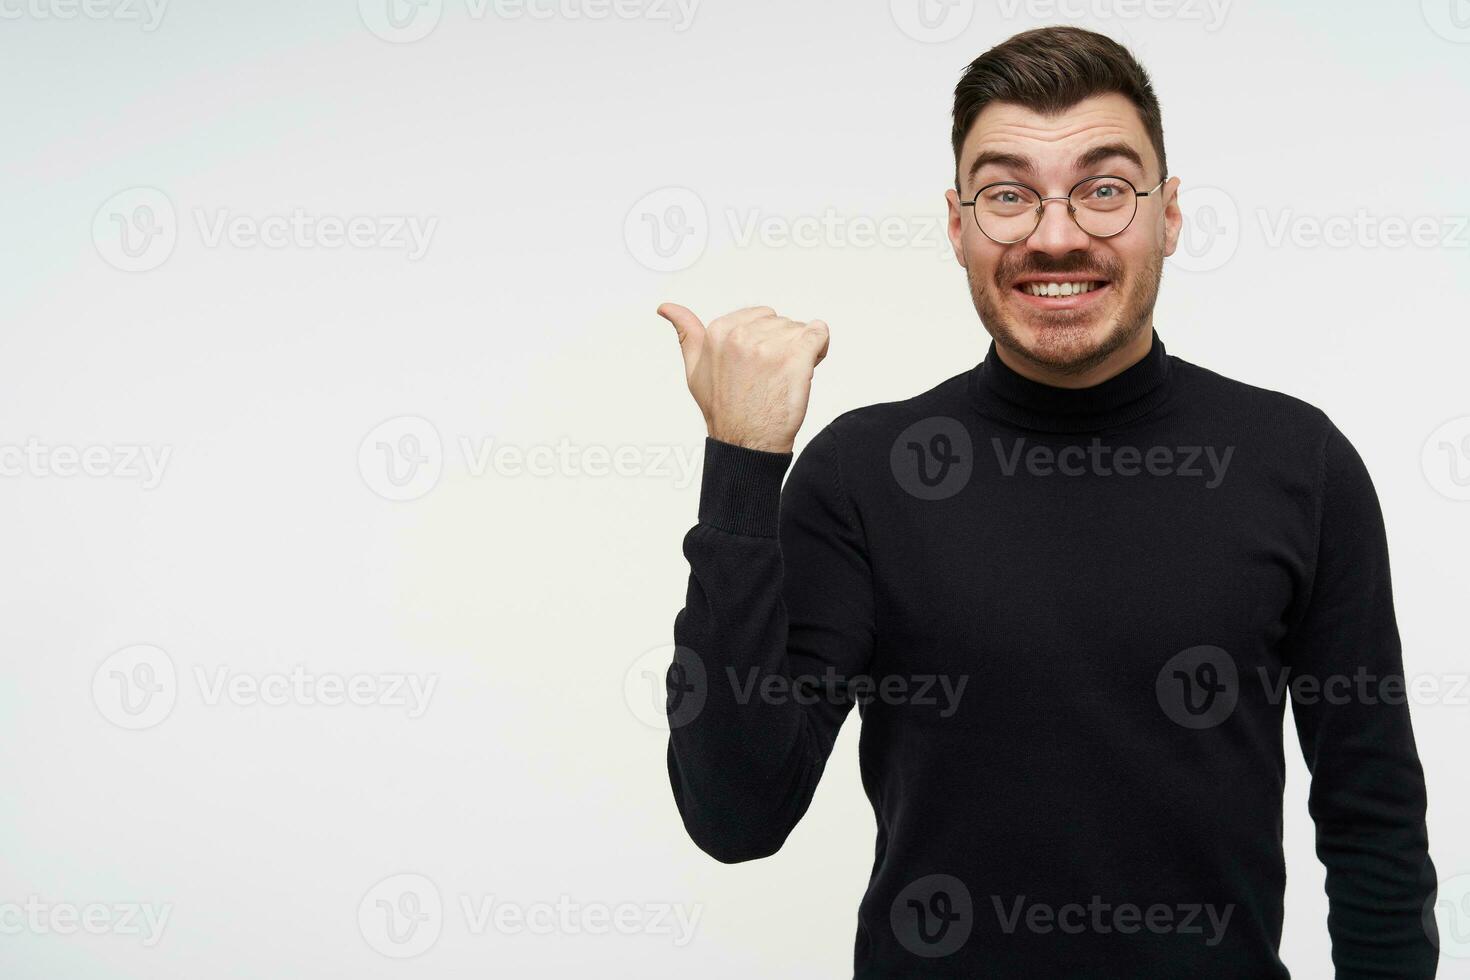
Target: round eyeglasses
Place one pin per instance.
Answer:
(1103, 206)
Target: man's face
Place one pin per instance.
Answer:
(1064, 334)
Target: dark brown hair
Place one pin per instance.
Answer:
(1049, 70)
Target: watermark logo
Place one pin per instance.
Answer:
(1199, 687)
(667, 230)
(1445, 459)
(666, 687)
(404, 458)
(136, 230)
(136, 687)
(933, 458)
(933, 916)
(1447, 917)
(401, 916)
(401, 459)
(1450, 19)
(401, 21)
(1210, 235)
(670, 229)
(404, 915)
(932, 21)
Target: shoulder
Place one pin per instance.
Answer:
(877, 425)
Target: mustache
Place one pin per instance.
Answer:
(1081, 266)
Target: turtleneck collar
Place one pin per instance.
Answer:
(1001, 393)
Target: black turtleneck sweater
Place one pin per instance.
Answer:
(1071, 620)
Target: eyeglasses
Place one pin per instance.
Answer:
(1103, 206)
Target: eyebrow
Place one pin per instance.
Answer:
(1086, 161)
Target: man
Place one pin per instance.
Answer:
(1070, 589)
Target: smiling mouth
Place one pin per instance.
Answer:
(1074, 287)
(1061, 294)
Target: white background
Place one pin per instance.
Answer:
(530, 144)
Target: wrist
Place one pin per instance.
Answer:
(759, 441)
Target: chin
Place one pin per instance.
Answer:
(1060, 342)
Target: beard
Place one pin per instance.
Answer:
(1068, 341)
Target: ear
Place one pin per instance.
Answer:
(1173, 217)
(957, 219)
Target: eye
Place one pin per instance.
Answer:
(1008, 197)
(1102, 190)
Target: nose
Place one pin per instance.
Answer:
(1057, 234)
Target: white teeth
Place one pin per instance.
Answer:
(1059, 288)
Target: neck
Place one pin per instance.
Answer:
(1135, 350)
(1128, 387)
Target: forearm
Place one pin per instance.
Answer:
(753, 705)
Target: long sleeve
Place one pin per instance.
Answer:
(777, 623)
(1367, 793)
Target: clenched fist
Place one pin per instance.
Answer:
(750, 373)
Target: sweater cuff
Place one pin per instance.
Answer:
(740, 490)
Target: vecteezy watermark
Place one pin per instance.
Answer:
(401, 916)
(1100, 917)
(1213, 229)
(37, 917)
(666, 687)
(833, 229)
(1207, 463)
(406, 21)
(933, 916)
(669, 229)
(1366, 687)
(297, 686)
(404, 458)
(1198, 688)
(121, 461)
(940, 691)
(136, 230)
(404, 915)
(1210, 233)
(147, 14)
(1447, 917)
(137, 688)
(1445, 459)
(933, 458)
(932, 21)
(1210, 13)
(1363, 229)
(1450, 19)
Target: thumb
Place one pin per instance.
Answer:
(690, 330)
